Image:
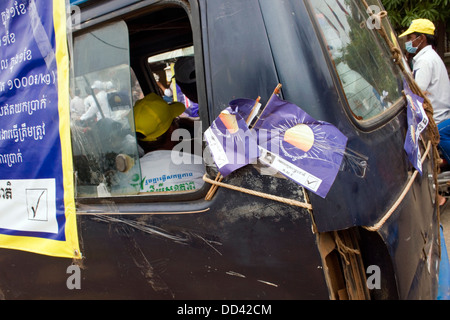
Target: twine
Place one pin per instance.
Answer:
(380, 223)
(258, 194)
(343, 248)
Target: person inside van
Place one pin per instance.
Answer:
(186, 80)
(94, 111)
(164, 88)
(163, 168)
(76, 104)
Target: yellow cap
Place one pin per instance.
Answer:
(153, 116)
(420, 26)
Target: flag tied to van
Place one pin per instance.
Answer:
(37, 206)
(231, 142)
(417, 122)
(303, 149)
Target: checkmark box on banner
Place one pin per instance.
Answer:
(37, 205)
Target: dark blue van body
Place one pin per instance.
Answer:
(238, 245)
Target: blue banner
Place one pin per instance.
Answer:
(37, 210)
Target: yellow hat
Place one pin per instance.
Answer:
(153, 116)
(420, 26)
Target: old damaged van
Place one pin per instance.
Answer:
(375, 235)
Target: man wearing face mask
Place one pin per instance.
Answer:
(431, 75)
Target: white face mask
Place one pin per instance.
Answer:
(410, 48)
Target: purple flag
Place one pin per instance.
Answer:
(300, 147)
(247, 108)
(231, 142)
(417, 122)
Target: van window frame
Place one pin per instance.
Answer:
(364, 125)
(176, 201)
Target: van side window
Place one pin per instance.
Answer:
(361, 58)
(132, 131)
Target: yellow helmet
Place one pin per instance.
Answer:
(153, 116)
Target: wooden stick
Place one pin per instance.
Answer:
(219, 176)
(253, 109)
(276, 91)
(214, 187)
